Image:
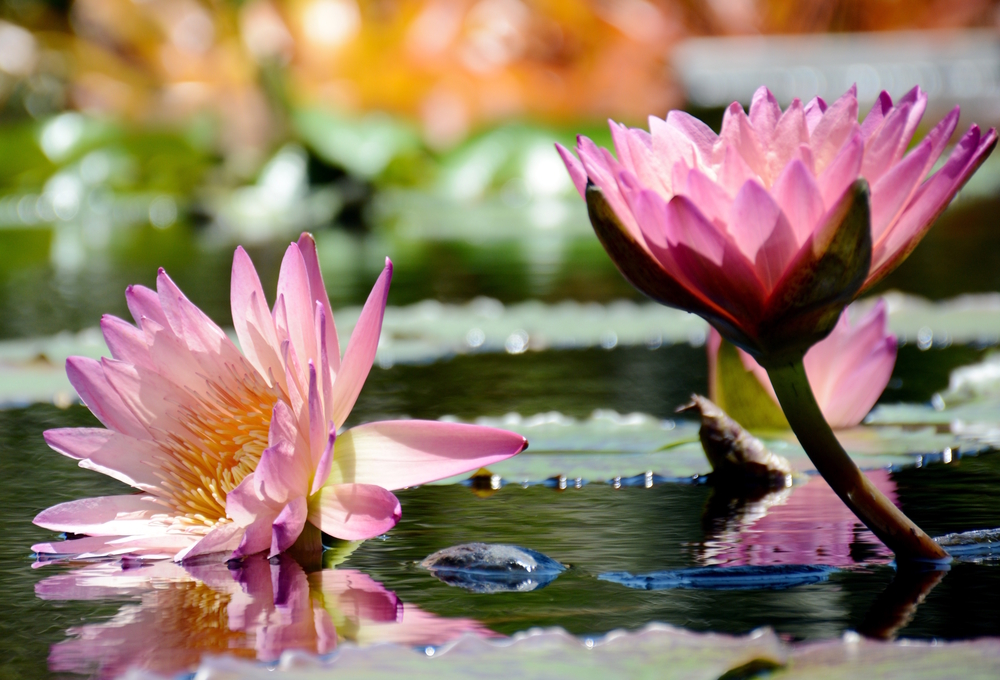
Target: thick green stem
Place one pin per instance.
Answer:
(878, 513)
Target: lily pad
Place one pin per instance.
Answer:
(753, 577)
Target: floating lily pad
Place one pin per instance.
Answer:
(766, 577)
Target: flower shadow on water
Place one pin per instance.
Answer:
(254, 609)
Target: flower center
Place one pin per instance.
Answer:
(221, 438)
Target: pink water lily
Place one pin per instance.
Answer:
(238, 452)
(766, 228)
(848, 370)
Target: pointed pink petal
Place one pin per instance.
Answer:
(158, 546)
(88, 379)
(851, 367)
(143, 302)
(648, 168)
(126, 342)
(881, 149)
(129, 460)
(189, 323)
(814, 111)
(575, 169)
(841, 172)
(738, 133)
(256, 537)
(734, 171)
(930, 200)
(357, 595)
(251, 317)
(800, 199)
(764, 112)
(713, 200)
(293, 287)
(671, 146)
(322, 472)
(602, 171)
(790, 135)
(307, 247)
(895, 188)
(880, 109)
(763, 233)
(399, 453)
(104, 516)
(152, 399)
(354, 512)
(317, 428)
(284, 468)
(222, 538)
(838, 125)
(361, 349)
(288, 525)
(701, 135)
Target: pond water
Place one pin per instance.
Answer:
(97, 620)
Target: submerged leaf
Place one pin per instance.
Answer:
(766, 577)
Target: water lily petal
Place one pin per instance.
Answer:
(317, 288)
(399, 453)
(575, 168)
(284, 468)
(354, 512)
(838, 124)
(762, 231)
(88, 379)
(223, 538)
(293, 287)
(126, 342)
(251, 317)
(127, 459)
(128, 515)
(361, 349)
(144, 303)
(288, 525)
(798, 194)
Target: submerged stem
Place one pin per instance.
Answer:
(878, 513)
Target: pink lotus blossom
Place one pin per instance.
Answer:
(256, 610)
(848, 370)
(239, 451)
(765, 229)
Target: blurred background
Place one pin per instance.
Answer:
(143, 133)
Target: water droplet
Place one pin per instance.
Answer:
(475, 338)
(925, 338)
(517, 342)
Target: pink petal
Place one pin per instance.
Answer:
(288, 525)
(157, 546)
(790, 135)
(841, 172)
(764, 112)
(738, 133)
(895, 188)
(284, 468)
(395, 454)
(838, 125)
(104, 516)
(152, 399)
(307, 247)
(602, 171)
(710, 263)
(88, 379)
(293, 287)
(930, 200)
(671, 146)
(880, 109)
(881, 149)
(222, 538)
(701, 135)
(575, 169)
(189, 323)
(317, 430)
(800, 199)
(126, 342)
(850, 368)
(257, 536)
(357, 595)
(734, 171)
(814, 111)
(713, 200)
(129, 460)
(322, 472)
(648, 168)
(354, 512)
(762, 232)
(252, 319)
(361, 349)
(144, 303)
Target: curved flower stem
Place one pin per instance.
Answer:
(878, 513)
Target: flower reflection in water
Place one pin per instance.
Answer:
(256, 610)
(803, 524)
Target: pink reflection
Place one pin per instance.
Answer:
(256, 610)
(805, 524)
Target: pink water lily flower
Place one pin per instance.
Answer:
(769, 228)
(238, 452)
(848, 370)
